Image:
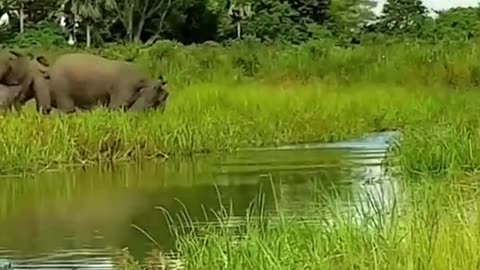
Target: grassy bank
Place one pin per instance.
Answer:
(249, 94)
(428, 225)
(256, 95)
(243, 96)
(214, 117)
(447, 145)
(432, 224)
(435, 229)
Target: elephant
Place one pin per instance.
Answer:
(12, 67)
(150, 97)
(8, 95)
(29, 73)
(82, 81)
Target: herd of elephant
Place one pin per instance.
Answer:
(77, 81)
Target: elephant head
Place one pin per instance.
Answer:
(14, 67)
(151, 96)
(35, 84)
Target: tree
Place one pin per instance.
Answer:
(458, 23)
(310, 11)
(19, 6)
(134, 14)
(348, 17)
(89, 11)
(239, 11)
(197, 21)
(274, 20)
(37, 11)
(402, 17)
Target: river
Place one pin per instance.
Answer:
(75, 217)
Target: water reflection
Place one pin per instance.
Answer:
(93, 209)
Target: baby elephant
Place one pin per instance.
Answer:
(8, 95)
(152, 97)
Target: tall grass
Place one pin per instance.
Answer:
(447, 145)
(428, 225)
(211, 117)
(432, 225)
(250, 94)
(452, 64)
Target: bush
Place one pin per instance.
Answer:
(43, 36)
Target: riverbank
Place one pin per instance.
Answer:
(214, 118)
(427, 225)
(316, 91)
(436, 228)
(438, 137)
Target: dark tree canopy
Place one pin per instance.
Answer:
(198, 21)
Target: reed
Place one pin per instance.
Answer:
(446, 144)
(424, 225)
(444, 63)
(249, 94)
(210, 118)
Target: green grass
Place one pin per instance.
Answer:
(428, 225)
(445, 64)
(248, 94)
(446, 145)
(255, 95)
(434, 229)
(440, 127)
(210, 118)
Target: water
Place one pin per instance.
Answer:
(75, 218)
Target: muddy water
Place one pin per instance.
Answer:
(73, 218)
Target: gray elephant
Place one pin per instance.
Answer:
(8, 95)
(12, 67)
(19, 70)
(82, 81)
(150, 97)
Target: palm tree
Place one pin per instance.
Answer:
(89, 11)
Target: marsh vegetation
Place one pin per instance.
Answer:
(237, 172)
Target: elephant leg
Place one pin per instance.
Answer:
(15, 107)
(20, 99)
(42, 95)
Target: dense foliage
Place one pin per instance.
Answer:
(51, 22)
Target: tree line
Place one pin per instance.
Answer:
(346, 22)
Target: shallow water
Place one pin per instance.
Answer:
(73, 218)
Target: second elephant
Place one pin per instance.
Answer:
(27, 75)
(8, 95)
(82, 81)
